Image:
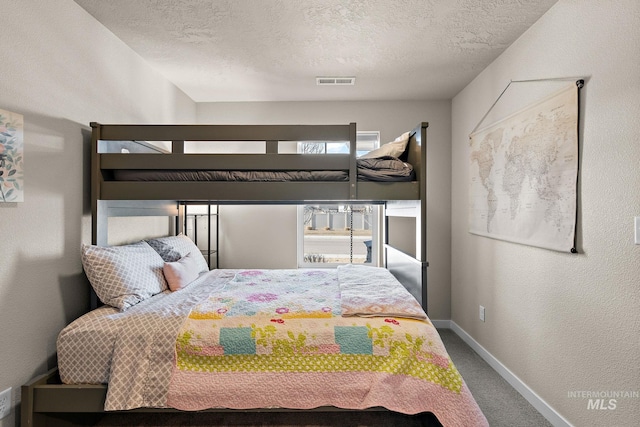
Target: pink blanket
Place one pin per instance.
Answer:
(278, 338)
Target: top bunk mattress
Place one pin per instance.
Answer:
(381, 169)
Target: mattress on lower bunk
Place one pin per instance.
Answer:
(350, 337)
(377, 169)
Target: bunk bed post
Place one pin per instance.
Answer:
(99, 215)
(353, 170)
(96, 179)
(421, 137)
(409, 265)
(99, 224)
(420, 167)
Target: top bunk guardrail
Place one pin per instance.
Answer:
(164, 162)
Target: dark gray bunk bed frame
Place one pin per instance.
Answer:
(45, 400)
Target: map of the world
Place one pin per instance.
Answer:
(523, 174)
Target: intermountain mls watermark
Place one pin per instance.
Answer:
(603, 400)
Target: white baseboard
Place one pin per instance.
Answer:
(536, 401)
(441, 324)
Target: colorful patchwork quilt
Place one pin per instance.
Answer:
(280, 338)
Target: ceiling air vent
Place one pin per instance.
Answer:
(335, 81)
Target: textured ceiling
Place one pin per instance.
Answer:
(272, 50)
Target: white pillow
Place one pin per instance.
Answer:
(393, 149)
(173, 248)
(182, 272)
(123, 276)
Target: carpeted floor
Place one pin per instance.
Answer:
(501, 404)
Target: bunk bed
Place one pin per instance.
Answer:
(150, 170)
(127, 167)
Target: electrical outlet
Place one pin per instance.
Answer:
(482, 313)
(5, 403)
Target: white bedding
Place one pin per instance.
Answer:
(86, 346)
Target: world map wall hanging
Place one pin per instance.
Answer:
(523, 174)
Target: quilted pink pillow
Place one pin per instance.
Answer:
(182, 272)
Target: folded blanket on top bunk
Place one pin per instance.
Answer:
(384, 168)
(269, 338)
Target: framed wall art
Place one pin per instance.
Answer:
(11, 157)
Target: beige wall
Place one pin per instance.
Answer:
(262, 236)
(563, 322)
(560, 322)
(391, 119)
(60, 69)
